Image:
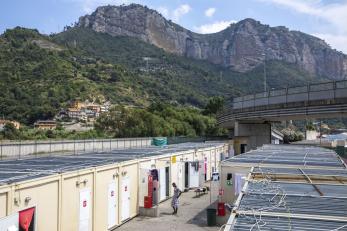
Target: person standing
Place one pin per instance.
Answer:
(175, 201)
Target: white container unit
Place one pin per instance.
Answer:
(194, 176)
(143, 185)
(84, 208)
(125, 198)
(162, 184)
(112, 205)
(180, 175)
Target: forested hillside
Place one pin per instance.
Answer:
(40, 74)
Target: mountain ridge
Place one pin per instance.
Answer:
(41, 74)
(241, 46)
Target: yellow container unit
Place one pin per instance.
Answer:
(93, 191)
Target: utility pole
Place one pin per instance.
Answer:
(264, 71)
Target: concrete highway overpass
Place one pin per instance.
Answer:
(249, 117)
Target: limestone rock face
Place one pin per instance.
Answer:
(241, 46)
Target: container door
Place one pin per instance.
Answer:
(85, 205)
(239, 181)
(162, 185)
(186, 175)
(180, 175)
(9, 223)
(125, 198)
(143, 185)
(112, 205)
(167, 181)
(205, 167)
(193, 175)
(201, 172)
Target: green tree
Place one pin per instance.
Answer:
(10, 132)
(214, 105)
(310, 126)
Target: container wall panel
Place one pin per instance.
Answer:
(71, 199)
(3, 205)
(44, 197)
(162, 162)
(103, 180)
(131, 171)
(174, 172)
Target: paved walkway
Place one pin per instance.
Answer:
(191, 215)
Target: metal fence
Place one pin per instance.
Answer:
(312, 92)
(30, 149)
(184, 139)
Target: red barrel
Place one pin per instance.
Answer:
(148, 202)
(221, 209)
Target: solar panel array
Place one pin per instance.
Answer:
(251, 223)
(297, 171)
(24, 169)
(273, 199)
(299, 189)
(289, 155)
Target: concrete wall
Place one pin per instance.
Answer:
(57, 197)
(229, 189)
(252, 134)
(311, 135)
(19, 149)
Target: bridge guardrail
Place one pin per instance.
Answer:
(304, 94)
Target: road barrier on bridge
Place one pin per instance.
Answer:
(310, 93)
(325, 99)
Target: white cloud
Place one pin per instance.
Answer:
(213, 27)
(175, 14)
(335, 41)
(88, 6)
(163, 11)
(210, 12)
(180, 11)
(335, 14)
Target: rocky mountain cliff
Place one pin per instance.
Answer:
(241, 47)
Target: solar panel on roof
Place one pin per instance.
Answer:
(289, 155)
(271, 202)
(250, 222)
(24, 169)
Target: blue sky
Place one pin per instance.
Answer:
(326, 19)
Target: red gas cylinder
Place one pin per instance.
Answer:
(221, 209)
(148, 202)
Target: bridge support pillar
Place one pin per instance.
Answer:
(249, 136)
